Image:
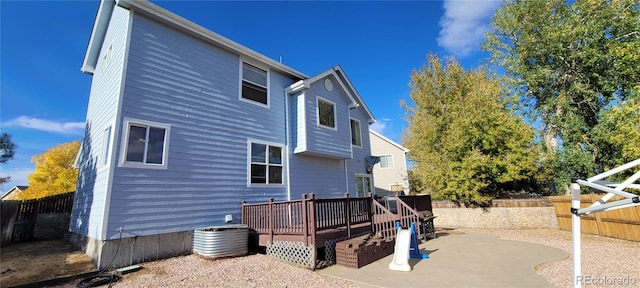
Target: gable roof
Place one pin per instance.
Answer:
(162, 15)
(344, 82)
(405, 150)
(13, 191)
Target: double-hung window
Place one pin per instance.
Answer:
(265, 164)
(356, 135)
(254, 84)
(386, 161)
(145, 144)
(326, 113)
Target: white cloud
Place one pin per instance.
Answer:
(464, 24)
(18, 177)
(69, 128)
(380, 125)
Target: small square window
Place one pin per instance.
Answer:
(326, 113)
(386, 161)
(145, 144)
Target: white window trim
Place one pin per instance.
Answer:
(125, 132)
(106, 59)
(391, 162)
(106, 152)
(265, 185)
(351, 131)
(242, 61)
(363, 175)
(335, 114)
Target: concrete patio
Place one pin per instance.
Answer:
(460, 260)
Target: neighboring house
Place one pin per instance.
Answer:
(183, 124)
(12, 194)
(390, 173)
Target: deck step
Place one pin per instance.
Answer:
(363, 250)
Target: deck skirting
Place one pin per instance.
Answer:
(293, 252)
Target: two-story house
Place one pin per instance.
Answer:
(391, 172)
(183, 124)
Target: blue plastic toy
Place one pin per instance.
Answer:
(414, 250)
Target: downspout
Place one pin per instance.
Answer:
(287, 142)
(346, 175)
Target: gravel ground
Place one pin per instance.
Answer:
(603, 259)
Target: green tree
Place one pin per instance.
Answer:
(54, 172)
(466, 144)
(569, 61)
(8, 151)
(618, 134)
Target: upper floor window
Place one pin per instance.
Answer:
(356, 135)
(326, 113)
(254, 84)
(146, 144)
(266, 164)
(106, 59)
(386, 161)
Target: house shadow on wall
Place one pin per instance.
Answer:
(83, 201)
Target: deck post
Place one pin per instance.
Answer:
(271, 220)
(305, 223)
(312, 218)
(398, 209)
(348, 213)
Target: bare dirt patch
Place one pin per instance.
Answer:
(30, 262)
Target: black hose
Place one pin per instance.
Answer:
(102, 278)
(98, 280)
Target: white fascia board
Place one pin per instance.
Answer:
(156, 12)
(297, 87)
(343, 85)
(338, 68)
(97, 36)
(390, 141)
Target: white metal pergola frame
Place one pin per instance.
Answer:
(612, 189)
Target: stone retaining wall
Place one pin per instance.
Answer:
(496, 218)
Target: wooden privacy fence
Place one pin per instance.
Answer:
(621, 223)
(19, 217)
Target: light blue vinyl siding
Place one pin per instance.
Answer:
(91, 192)
(192, 86)
(358, 164)
(316, 166)
(323, 141)
(320, 175)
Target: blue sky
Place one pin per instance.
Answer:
(43, 94)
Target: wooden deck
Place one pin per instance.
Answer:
(315, 221)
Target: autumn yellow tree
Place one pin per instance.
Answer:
(54, 172)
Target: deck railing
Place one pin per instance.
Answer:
(307, 216)
(406, 209)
